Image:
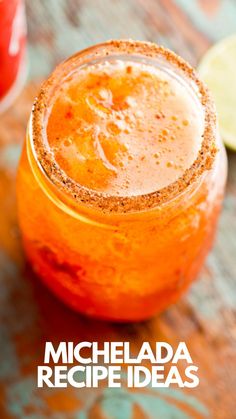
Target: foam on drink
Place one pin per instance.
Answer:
(124, 127)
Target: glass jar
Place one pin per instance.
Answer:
(121, 258)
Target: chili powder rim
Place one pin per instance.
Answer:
(101, 200)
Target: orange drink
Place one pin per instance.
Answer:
(121, 180)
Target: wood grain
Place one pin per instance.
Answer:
(30, 315)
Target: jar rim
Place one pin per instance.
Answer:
(104, 201)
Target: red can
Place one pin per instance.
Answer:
(12, 50)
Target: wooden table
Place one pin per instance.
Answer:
(30, 315)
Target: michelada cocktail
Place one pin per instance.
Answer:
(121, 180)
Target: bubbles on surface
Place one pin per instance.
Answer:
(67, 142)
(121, 126)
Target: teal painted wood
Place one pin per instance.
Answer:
(216, 19)
(29, 314)
(68, 26)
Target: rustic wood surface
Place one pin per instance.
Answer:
(30, 315)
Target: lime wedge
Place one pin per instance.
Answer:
(218, 69)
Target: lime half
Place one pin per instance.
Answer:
(218, 69)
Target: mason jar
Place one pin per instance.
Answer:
(119, 258)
